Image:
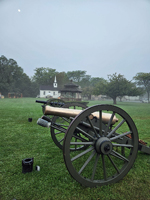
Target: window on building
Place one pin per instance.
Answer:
(43, 92)
(53, 93)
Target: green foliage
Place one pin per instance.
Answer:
(143, 79)
(77, 75)
(21, 139)
(62, 78)
(44, 76)
(116, 86)
(13, 79)
(99, 86)
(87, 92)
(85, 82)
(96, 80)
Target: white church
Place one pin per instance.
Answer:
(47, 91)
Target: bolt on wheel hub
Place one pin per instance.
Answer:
(103, 145)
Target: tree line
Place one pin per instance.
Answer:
(13, 79)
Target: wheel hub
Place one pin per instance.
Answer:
(103, 145)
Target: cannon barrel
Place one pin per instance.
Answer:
(65, 112)
(37, 101)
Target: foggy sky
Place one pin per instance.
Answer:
(99, 36)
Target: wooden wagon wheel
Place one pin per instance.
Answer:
(58, 131)
(109, 156)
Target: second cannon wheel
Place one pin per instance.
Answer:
(61, 124)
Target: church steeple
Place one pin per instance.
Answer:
(55, 83)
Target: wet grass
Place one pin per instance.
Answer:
(20, 139)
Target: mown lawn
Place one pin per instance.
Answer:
(20, 139)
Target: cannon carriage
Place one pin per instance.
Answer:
(99, 143)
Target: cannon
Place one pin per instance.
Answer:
(100, 144)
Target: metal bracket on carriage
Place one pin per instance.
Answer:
(142, 145)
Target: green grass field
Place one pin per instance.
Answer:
(20, 139)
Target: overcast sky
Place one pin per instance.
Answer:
(99, 36)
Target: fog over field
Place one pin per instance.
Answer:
(100, 37)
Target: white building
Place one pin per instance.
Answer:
(131, 98)
(50, 91)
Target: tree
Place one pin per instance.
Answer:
(117, 86)
(6, 75)
(13, 79)
(62, 79)
(96, 80)
(143, 79)
(85, 82)
(87, 92)
(44, 76)
(8, 69)
(76, 76)
(99, 86)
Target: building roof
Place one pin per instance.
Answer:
(48, 87)
(71, 87)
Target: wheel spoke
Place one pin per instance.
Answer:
(95, 165)
(100, 123)
(59, 128)
(61, 140)
(87, 161)
(104, 167)
(120, 135)
(117, 155)
(109, 135)
(123, 145)
(58, 132)
(113, 164)
(63, 125)
(109, 123)
(81, 154)
(81, 143)
(88, 125)
(80, 138)
(85, 133)
(65, 119)
(92, 126)
(75, 144)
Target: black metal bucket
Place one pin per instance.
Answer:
(27, 165)
(29, 119)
